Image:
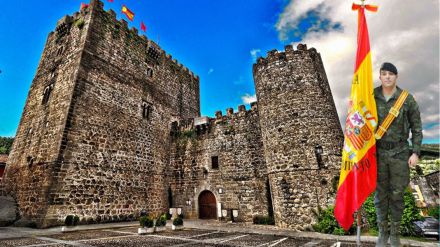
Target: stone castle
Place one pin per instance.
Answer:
(112, 126)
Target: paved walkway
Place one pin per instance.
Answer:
(233, 230)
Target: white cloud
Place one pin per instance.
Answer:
(254, 53)
(432, 132)
(247, 98)
(210, 71)
(405, 34)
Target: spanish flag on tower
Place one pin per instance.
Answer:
(127, 12)
(358, 171)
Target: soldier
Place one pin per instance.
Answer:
(393, 154)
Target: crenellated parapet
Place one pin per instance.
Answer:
(152, 50)
(203, 125)
(275, 57)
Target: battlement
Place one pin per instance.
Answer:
(136, 39)
(230, 111)
(200, 124)
(287, 54)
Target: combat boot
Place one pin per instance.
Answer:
(383, 234)
(394, 237)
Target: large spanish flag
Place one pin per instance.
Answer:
(127, 12)
(358, 171)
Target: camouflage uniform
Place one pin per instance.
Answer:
(393, 153)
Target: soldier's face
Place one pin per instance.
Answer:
(388, 79)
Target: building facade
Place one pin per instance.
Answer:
(112, 126)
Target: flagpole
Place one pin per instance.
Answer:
(359, 219)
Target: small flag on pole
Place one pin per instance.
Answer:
(83, 6)
(110, 1)
(127, 12)
(143, 27)
(358, 170)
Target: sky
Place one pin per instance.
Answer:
(220, 40)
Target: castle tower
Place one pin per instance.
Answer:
(301, 133)
(93, 139)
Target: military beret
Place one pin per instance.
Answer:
(389, 67)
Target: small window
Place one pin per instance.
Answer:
(146, 110)
(214, 162)
(30, 161)
(46, 94)
(60, 51)
(150, 72)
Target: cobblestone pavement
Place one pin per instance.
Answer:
(128, 236)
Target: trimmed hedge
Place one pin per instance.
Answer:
(146, 221)
(71, 220)
(178, 221)
(162, 220)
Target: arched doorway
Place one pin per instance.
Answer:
(207, 205)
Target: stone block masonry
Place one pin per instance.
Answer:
(112, 126)
(238, 180)
(301, 134)
(96, 142)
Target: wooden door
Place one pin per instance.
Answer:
(207, 205)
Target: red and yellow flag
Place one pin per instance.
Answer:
(358, 171)
(127, 12)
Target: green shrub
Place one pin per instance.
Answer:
(146, 221)
(425, 166)
(79, 23)
(162, 220)
(370, 212)
(188, 134)
(75, 220)
(6, 144)
(434, 212)
(411, 213)
(263, 220)
(178, 221)
(328, 224)
(69, 220)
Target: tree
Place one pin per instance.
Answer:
(6, 144)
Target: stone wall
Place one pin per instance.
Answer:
(111, 108)
(112, 125)
(297, 118)
(240, 180)
(34, 159)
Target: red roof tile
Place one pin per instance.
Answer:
(3, 158)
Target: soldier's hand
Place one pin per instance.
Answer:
(413, 160)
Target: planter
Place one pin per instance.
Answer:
(177, 227)
(160, 228)
(142, 230)
(68, 228)
(145, 230)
